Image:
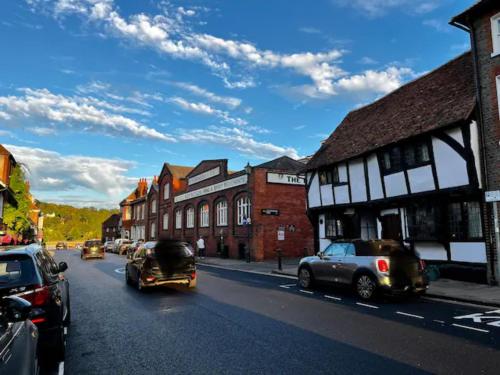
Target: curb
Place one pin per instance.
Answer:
(462, 300)
(272, 273)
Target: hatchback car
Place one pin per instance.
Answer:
(61, 246)
(161, 263)
(18, 338)
(31, 273)
(369, 266)
(108, 246)
(92, 249)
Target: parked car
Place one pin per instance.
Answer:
(369, 266)
(122, 249)
(92, 249)
(161, 263)
(61, 246)
(18, 338)
(31, 273)
(132, 248)
(108, 246)
(117, 244)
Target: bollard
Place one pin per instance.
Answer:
(279, 259)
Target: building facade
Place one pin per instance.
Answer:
(111, 228)
(7, 164)
(482, 22)
(152, 211)
(133, 213)
(408, 167)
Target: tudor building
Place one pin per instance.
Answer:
(110, 230)
(408, 167)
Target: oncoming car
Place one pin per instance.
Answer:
(92, 249)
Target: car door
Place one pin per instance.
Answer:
(327, 265)
(347, 265)
(137, 262)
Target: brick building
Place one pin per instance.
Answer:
(133, 212)
(482, 22)
(111, 228)
(7, 164)
(235, 211)
(152, 211)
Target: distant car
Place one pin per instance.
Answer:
(118, 243)
(18, 338)
(61, 246)
(132, 248)
(31, 273)
(108, 246)
(161, 263)
(122, 249)
(369, 266)
(92, 249)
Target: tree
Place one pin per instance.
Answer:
(17, 218)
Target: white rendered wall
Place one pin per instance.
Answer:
(374, 180)
(395, 184)
(451, 167)
(421, 179)
(472, 252)
(357, 180)
(326, 195)
(314, 200)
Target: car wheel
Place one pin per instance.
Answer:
(57, 355)
(127, 277)
(306, 278)
(365, 286)
(139, 285)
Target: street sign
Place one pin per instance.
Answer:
(270, 211)
(492, 196)
(281, 234)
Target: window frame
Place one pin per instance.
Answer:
(204, 215)
(243, 209)
(178, 219)
(338, 226)
(165, 215)
(221, 207)
(463, 225)
(166, 191)
(403, 150)
(495, 34)
(154, 206)
(153, 230)
(189, 217)
(498, 94)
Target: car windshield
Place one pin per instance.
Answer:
(17, 270)
(92, 243)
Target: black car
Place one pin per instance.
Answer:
(18, 337)
(161, 263)
(31, 273)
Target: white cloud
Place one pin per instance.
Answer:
(42, 131)
(376, 8)
(437, 25)
(381, 82)
(228, 101)
(205, 109)
(87, 111)
(367, 61)
(4, 116)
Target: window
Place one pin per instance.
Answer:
(423, 222)
(190, 217)
(498, 94)
(391, 160)
(204, 215)
(336, 250)
(495, 34)
(333, 227)
(243, 207)
(464, 221)
(178, 219)
(153, 206)
(417, 154)
(325, 177)
(153, 230)
(166, 191)
(221, 211)
(165, 221)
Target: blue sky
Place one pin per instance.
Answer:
(97, 93)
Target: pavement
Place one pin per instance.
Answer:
(256, 323)
(442, 288)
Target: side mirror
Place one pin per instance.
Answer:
(63, 266)
(320, 254)
(16, 309)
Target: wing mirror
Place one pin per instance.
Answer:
(320, 254)
(63, 266)
(16, 309)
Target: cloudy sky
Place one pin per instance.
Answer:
(97, 93)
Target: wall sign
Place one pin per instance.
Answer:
(270, 211)
(204, 176)
(281, 234)
(287, 179)
(492, 196)
(241, 180)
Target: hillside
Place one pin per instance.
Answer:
(63, 222)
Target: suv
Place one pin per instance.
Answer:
(369, 266)
(31, 273)
(160, 263)
(92, 249)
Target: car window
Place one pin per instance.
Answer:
(336, 250)
(44, 266)
(350, 251)
(17, 270)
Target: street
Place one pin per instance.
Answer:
(237, 322)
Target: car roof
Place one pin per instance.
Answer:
(25, 250)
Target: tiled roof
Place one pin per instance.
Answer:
(442, 97)
(478, 6)
(179, 171)
(283, 163)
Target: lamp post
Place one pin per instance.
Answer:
(247, 222)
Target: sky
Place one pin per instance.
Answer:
(95, 94)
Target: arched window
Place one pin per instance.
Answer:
(166, 191)
(165, 221)
(221, 212)
(190, 217)
(153, 206)
(178, 219)
(153, 230)
(204, 215)
(243, 210)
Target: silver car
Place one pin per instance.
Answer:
(369, 266)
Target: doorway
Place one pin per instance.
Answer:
(391, 227)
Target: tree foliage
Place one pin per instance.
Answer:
(17, 218)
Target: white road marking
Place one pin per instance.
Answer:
(332, 297)
(61, 368)
(120, 270)
(65, 331)
(438, 321)
(479, 317)
(306, 291)
(366, 305)
(410, 315)
(287, 286)
(472, 328)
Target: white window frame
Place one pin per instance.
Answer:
(190, 217)
(153, 206)
(165, 221)
(243, 206)
(204, 215)
(498, 95)
(178, 219)
(221, 213)
(153, 230)
(166, 191)
(495, 34)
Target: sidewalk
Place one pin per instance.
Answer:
(442, 288)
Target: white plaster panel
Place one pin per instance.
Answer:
(421, 179)
(326, 195)
(475, 146)
(314, 199)
(374, 180)
(342, 172)
(456, 134)
(357, 180)
(341, 194)
(451, 167)
(472, 252)
(395, 184)
(321, 223)
(431, 251)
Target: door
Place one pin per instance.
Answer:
(391, 227)
(348, 265)
(327, 266)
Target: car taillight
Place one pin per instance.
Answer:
(39, 320)
(150, 278)
(421, 265)
(382, 266)
(38, 297)
(193, 275)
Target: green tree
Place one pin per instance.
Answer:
(17, 218)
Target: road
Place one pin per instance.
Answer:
(236, 322)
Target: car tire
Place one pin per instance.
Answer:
(127, 277)
(67, 321)
(59, 350)
(139, 285)
(365, 286)
(306, 277)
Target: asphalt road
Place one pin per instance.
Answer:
(236, 322)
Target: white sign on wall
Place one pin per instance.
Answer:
(281, 234)
(288, 179)
(212, 188)
(204, 176)
(492, 196)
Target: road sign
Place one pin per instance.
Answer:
(281, 234)
(270, 211)
(492, 196)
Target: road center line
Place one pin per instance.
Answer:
(306, 291)
(471, 328)
(366, 305)
(284, 286)
(410, 315)
(438, 321)
(332, 297)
